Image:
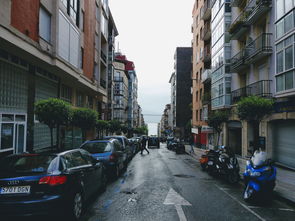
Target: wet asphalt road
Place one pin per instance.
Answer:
(140, 193)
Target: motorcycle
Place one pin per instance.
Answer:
(221, 162)
(259, 177)
(179, 147)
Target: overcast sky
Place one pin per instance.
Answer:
(149, 32)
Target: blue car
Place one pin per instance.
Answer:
(49, 184)
(109, 152)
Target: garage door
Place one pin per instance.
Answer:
(284, 142)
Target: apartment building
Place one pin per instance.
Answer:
(201, 73)
(132, 121)
(50, 49)
(181, 97)
(121, 79)
(165, 129)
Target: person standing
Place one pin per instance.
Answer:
(143, 145)
(191, 142)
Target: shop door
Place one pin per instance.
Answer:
(20, 138)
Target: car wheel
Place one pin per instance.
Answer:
(76, 206)
(249, 194)
(233, 178)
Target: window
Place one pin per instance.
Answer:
(289, 80)
(288, 5)
(82, 21)
(90, 102)
(201, 93)
(289, 58)
(79, 100)
(201, 117)
(197, 115)
(73, 7)
(44, 24)
(280, 60)
(289, 22)
(280, 8)
(197, 96)
(66, 93)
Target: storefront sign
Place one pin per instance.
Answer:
(195, 130)
(285, 106)
(206, 129)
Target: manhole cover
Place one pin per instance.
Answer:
(183, 176)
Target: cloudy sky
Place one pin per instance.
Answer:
(149, 32)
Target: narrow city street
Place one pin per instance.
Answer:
(165, 186)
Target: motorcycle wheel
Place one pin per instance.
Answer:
(233, 178)
(249, 194)
(204, 166)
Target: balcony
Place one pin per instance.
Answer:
(254, 10)
(259, 88)
(206, 76)
(206, 10)
(206, 58)
(252, 52)
(103, 56)
(206, 34)
(103, 83)
(206, 98)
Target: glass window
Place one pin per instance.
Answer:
(280, 61)
(289, 22)
(289, 58)
(97, 147)
(44, 24)
(280, 46)
(7, 130)
(66, 93)
(289, 80)
(288, 5)
(280, 29)
(280, 8)
(280, 83)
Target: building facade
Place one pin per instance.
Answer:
(201, 74)
(57, 51)
(181, 97)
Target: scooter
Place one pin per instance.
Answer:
(259, 177)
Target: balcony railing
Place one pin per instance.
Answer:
(206, 34)
(254, 10)
(206, 98)
(118, 79)
(206, 10)
(103, 56)
(207, 54)
(103, 83)
(259, 88)
(206, 75)
(253, 51)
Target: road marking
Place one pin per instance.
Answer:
(173, 198)
(243, 205)
(285, 209)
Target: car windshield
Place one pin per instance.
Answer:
(97, 147)
(28, 163)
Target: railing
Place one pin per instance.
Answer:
(103, 83)
(260, 46)
(252, 8)
(259, 88)
(103, 56)
(206, 34)
(206, 10)
(118, 79)
(206, 98)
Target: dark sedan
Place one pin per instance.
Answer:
(54, 184)
(110, 152)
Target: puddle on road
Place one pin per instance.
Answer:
(128, 192)
(183, 176)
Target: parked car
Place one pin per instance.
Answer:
(135, 142)
(130, 150)
(37, 184)
(153, 141)
(110, 152)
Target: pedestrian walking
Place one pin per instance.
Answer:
(191, 142)
(143, 145)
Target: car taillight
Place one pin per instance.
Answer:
(53, 180)
(113, 157)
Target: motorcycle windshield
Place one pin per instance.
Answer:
(259, 158)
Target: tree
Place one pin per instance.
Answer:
(253, 109)
(53, 112)
(114, 126)
(216, 119)
(101, 125)
(85, 119)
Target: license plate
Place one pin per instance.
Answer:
(210, 163)
(15, 189)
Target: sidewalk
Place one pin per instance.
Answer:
(285, 184)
